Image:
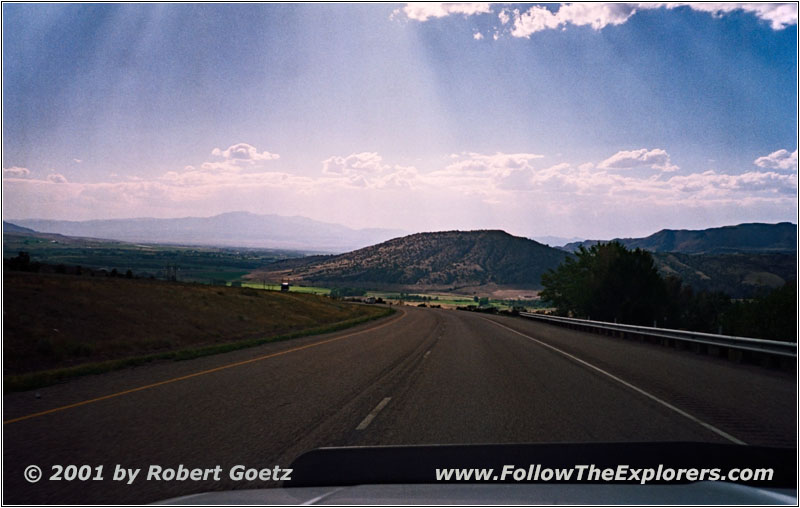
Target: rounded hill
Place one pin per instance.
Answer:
(441, 259)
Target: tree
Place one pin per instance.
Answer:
(345, 291)
(773, 317)
(607, 282)
(697, 311)
(22, 262)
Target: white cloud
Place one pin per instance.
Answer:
(402, 177)
(564, 188)
(423, 11)
(487, 170)
(630, 159)
(600, 15)
(710, 188)
(16, 172)
(238, 157)
(721, 187)
(779, 15)
(367, 170)
(468, 190)
(77, 161)
(356, 163)
(780, 159)
(56, 178)
(484, 175)
(535, 19)
(504, 17)
(499, 162)
(477, 36)
(244, 152)
(596, 15)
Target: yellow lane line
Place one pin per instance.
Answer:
(201, 373)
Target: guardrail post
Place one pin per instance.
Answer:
(786, 363)
(766, 361)
(735, 355)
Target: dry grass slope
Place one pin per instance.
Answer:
(64, 321)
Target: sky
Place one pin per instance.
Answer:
(571, 120)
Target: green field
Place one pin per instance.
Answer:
(444, 299)
(433, 298)
(272, 286)
(210, 265)
(411, 299)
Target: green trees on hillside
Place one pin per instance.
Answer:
(685, 308)
(608, 282)
(772, 317)
(346, 291)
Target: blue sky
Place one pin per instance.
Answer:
(587, 120)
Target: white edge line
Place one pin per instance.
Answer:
(317, 499)
(368, 419)
(632, 387)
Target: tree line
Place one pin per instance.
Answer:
(608, 282)
(23, 263)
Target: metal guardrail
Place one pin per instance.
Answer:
(774, 347)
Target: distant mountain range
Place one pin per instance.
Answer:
(742, 261)
(235, 229)
(13, 228)
(443, 260)
(755, 237)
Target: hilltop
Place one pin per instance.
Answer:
(442, 260)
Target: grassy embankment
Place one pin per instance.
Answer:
(61, 326)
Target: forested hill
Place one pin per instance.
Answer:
(449, 258)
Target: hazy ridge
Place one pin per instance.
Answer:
(236, 229)
(752, 237)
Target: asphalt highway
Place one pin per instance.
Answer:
(422, 376)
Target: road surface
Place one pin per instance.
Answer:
(422, 376)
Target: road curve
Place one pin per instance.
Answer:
(421, 376)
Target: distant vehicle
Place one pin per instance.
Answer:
(284, 286)
(369, 299)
